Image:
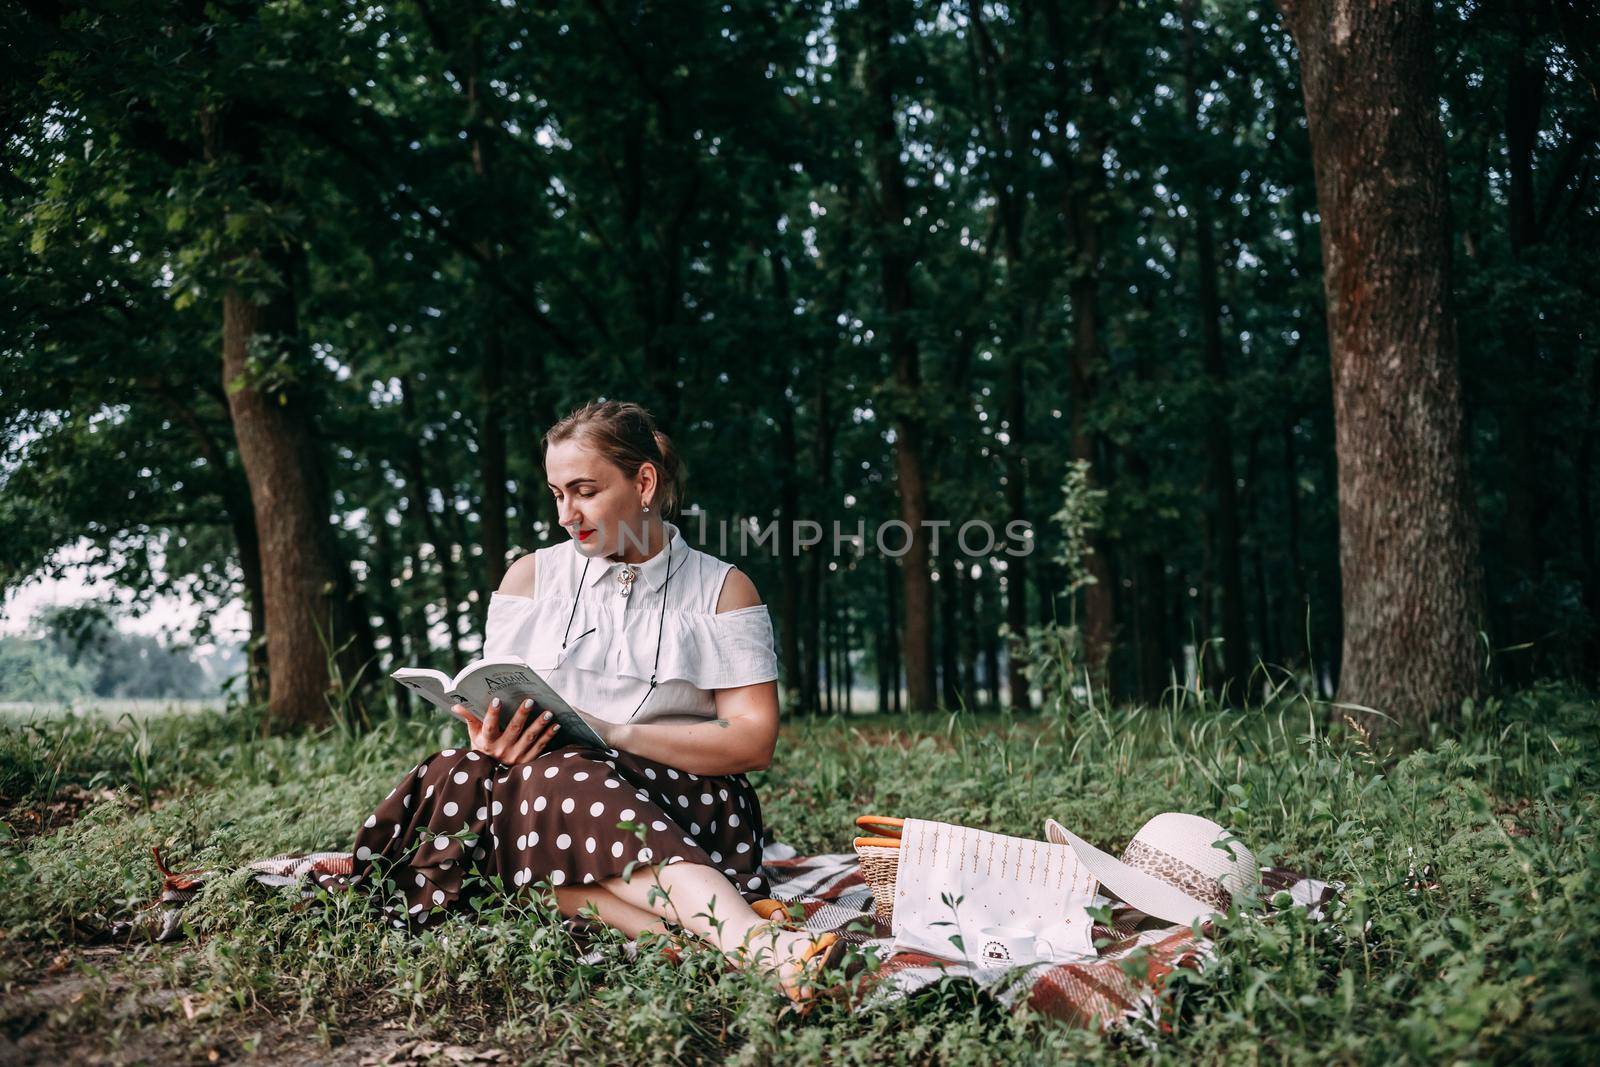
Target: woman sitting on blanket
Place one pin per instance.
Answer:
(668, 653)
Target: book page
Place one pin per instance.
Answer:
(430, 685)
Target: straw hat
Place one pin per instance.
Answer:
(1177, 867)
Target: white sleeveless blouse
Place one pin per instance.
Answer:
(606, 672)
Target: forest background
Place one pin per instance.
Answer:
(291, 291)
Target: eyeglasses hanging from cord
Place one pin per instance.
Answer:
(626, 583)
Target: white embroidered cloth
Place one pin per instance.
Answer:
(956, 880)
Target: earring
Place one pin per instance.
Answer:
(647, 509)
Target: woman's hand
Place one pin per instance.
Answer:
(613, 734)
(519, 742)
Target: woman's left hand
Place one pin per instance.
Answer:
(520, 741)
(613, 734)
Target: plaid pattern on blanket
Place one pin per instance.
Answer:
(834, 897)
(1106, 991)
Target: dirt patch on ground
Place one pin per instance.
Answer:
(82, 1006)
(30, 820)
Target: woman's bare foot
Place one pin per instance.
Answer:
(777, 951)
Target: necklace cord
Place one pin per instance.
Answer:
(661, 623)
(660, 629)
(574, 610)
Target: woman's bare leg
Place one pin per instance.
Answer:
(701, 899)
(614, 911)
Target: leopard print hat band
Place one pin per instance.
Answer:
(1176, 873)
(1175, 868)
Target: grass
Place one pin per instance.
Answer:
(1497, 961)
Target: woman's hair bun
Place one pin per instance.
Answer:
(626, 435)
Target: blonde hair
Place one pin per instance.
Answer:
(626, 435)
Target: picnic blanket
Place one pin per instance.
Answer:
(1123, 986)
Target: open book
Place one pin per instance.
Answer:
(508, 678)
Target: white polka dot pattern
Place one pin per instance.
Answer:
(556, 828)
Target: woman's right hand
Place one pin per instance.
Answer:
(519, 742)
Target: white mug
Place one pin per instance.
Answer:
(1005, 946)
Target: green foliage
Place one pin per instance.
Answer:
(1493, 960)
(35, 671)
(81, 653)
(1052, 653)
(119, 664)
(679, 207)
(1077, 519)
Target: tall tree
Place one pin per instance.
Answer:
(995, 85)
(892, 234)
(1408, 540)
(1082, 162)
(308, 627)
(1219, 432)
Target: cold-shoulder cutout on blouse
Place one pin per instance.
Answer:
(599, 649)
(738, 591)
(520, 576)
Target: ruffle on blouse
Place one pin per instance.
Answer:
(720, 651)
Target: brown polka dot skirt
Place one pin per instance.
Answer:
(459, 824)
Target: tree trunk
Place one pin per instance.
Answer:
(414, 610)
(949, 597)
(242, 518)
(1180, 624)
(847, 671)
(822, 462)
(1523, 446)
(1097, 619)
(880, 660)
(492, 461)
(419, 507)
(1082, 191)
(1157, 649)
(457, 534)
(1261, 584)
(1590, 656)
(540, 510)
(491, 374)
(257, 671)
(891, 603)
(967, 646)
(841, 654)
(1152, 650)
(788, 512)
(383, 587)
(1234, 661)
(298, 582)
(1207, 657)
(1001, 129)
(830, 653)
(1408, 543)
(1294, 618)
(895, 267)
(992, 614)
(1155, 661)
(1016, 510)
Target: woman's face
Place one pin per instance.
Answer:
(595, 502)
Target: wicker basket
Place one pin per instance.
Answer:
(880, 859)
